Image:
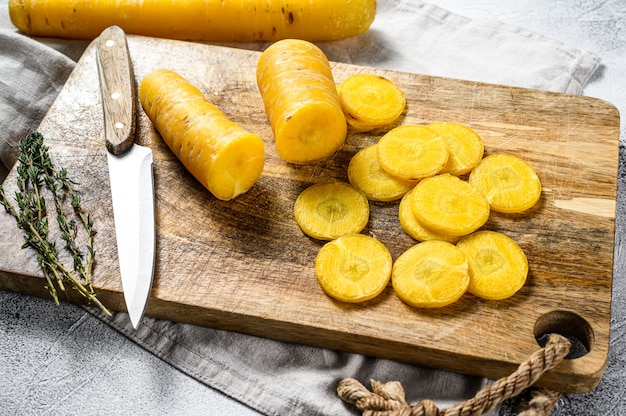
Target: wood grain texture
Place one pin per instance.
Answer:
(117, 86)
(244, 265)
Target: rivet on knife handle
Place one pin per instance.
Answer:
(117, 83)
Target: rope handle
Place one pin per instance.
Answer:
(388, 399)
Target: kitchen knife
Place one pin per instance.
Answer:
(130, 172)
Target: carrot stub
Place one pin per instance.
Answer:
(431, 274)
(329, 210)
(509, 183)
(370, 101)
(219, 153)
(301, 101)
(353, 268)
(498, 267)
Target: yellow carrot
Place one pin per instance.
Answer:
(301, 101)
(208, 20)
(329, 210)
(365, 174)
(412, 152)
(509, 183)
(448, 205)
(370, 101)
(219, 153)
(411, 225)
(465, 147)
(353, 268)
(431, 274)
(498, 267)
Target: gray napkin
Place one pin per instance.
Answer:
(414, 36)
(24, 94)
(272, 377)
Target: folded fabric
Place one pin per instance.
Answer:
(419, 37)
(279, 378)
(31, 76)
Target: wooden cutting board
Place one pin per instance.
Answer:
(245, 266)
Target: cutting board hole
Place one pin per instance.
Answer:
(570, 325)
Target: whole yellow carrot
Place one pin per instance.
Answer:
(219, 153)
(301, 101)
(208, 20)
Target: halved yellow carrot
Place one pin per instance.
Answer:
(301, 102)
(431, 274)
(370, 101)
(411, 225)
(498, 266)
(329, 210)
(412, 152)
(353, 268)
(509, 183)
(464, 146)
(208, 20)
(219, 153)
(365, 174)
(449, 205)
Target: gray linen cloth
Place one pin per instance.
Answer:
(272, 377)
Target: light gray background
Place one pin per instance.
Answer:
(38, 364)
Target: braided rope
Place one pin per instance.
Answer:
(541, 403)
(388, 399)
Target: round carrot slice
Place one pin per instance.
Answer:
(464, 146)
(370, 101)
(412, 152)
(411, 225)
(509, 183)
(365, 174)
(353, 268)
(449, 205)
(430, 274)
(329, 210)
(498, 266)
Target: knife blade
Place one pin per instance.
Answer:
(130, 172)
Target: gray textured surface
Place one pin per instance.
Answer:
(38, 364)
(56, 367)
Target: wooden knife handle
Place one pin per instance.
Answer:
(117, 86)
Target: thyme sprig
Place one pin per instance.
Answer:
(36, 175)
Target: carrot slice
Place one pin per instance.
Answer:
(353, 268)
(411, 225)
(498, 266)
(301, 101)
(329, 210)
(509, 183)
(370, 101)
(464, 146)
(412, 152)
(365, 174)
(431, 274)
(449, 205)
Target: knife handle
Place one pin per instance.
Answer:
(117, 87)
